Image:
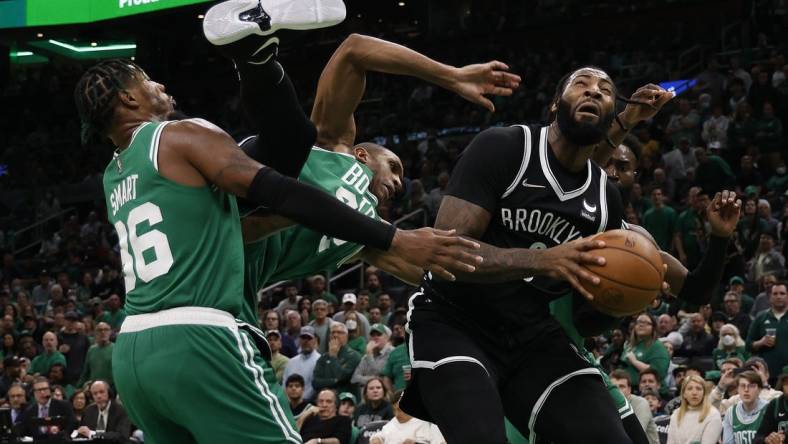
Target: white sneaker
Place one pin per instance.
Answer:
(233, 20)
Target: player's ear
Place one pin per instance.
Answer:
(553, 108)
(128, 99)
(361, 154)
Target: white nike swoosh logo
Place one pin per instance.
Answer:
(589, 208)
(531, 185)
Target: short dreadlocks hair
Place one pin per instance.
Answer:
(96, 94)
(561, 86)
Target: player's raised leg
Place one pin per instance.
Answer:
(244, 30)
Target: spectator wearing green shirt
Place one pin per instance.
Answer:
(643, 351)
(778, 183)
(41, 363)
(357, 342)
(317, 290)
(768, 336)
(713, 173)
(769, 132)
(690, 228)
(660, 220)
(98, 363)
(115, 314)
(397, 371)
(335, 368)
(278, 360)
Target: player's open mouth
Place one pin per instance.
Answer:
(588, 108)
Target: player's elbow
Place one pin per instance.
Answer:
(353, 47)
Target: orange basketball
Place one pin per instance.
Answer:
(631, 277)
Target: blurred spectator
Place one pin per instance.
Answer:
(323, 422)
(611, 358)
(17, 402)
(715, 128)
(741, 130)
(768, 335)
(291, 333)
(317, 290)
(11, 374)
(362, 303)
(650, 381)
(696, 420)
(305, 310)
(654, 402)
(105, 416)
(377, 354)
(640, 406)
(45, 407)
(271, 321)
(643, 351)
(677, 161)
(743, 418)
(748, 175)
(321, 324)
(405, 428)
(664, 183)
(57, 378)
(335, 368)
(665, 324)
(294, 389)
(761, 303)
(375, 316)
(731, 345)
(767, 259)
(685, 122)
(304, 363)
(726, 386)
(733, 313)
(278, 361)
(386, 307)
(349, 306)
(765, 213)
(397, 371)
(713, 173)
(433, 201)
(697, 342)
(41, 291)
(373, 285)
(778, 183)
(690, 230)
(376, 405)
(74, 346)
(98, 362)
(290, 302)
(79, 402)
(749, 229)
(347, 407)
(356, 342)
(769, 133)
(660, 220)
(762, 92)
(42, 362)
(115, 314)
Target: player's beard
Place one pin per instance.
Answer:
(581, 133)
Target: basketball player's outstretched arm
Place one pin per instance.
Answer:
(693, 286)
(198, 152)
(653, 98)
(343, 81)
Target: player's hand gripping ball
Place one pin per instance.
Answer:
(631, 277)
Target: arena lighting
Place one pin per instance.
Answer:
(200, 16)
(22, 54)
(401, 3)
(40, 35)
(91, 48)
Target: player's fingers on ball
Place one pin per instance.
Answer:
(590, 244)
(582, 273)
(592, 259)
(579, 287)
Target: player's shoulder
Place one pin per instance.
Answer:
(513, 135)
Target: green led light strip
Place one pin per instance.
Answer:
(93, 48)
(21, 54)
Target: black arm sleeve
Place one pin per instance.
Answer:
(488, 166)
(284, 133)
(317, 210)
(634, 429)
(701, 282)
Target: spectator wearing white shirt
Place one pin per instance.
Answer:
(405, 429)
(696, 421)
(304, 363)
(715, 128)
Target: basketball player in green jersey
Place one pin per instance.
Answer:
(185, 371)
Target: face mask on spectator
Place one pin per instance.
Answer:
(728, 340)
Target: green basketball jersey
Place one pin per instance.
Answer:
(298, 252)
(180, 245)
(744, 432)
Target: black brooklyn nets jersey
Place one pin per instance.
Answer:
(535, 203)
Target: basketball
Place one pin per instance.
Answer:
(631, 277)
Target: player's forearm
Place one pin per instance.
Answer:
(503, 264)
(616, 135)
(372, 54)
(696, 288)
